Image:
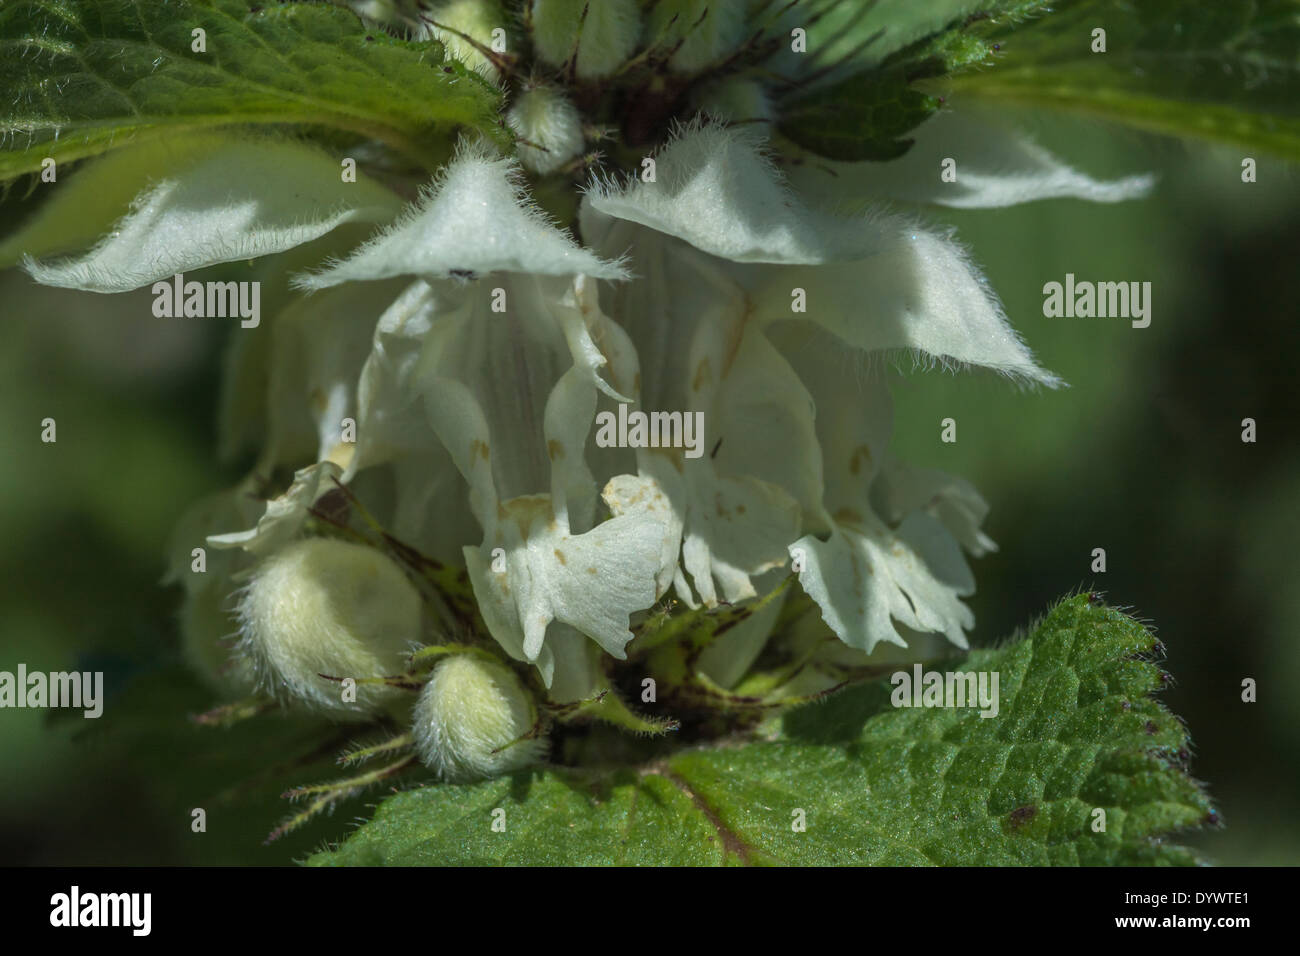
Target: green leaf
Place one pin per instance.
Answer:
(860, 36)
(78, 77)
(1227, 71)
(1077, 730)
(866, 114)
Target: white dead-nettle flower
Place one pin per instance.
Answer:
(474, 719)
(725, 252)
(453, 370)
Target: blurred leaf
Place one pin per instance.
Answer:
(78, 77)
(865, 114)
(1077, 730)
(1225, 71)
(235, 774)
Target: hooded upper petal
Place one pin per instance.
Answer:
(474, 220)
(995, 165)
(878, 282)
(236, 199)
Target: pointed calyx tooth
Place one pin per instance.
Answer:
(321, 606)
(474, 719)
(598, 42)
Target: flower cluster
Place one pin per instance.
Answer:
(448, 373)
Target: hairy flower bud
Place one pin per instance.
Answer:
(458, 22)
(602, 41)
(701, 33)
(471, 719)
(736, 100)
(550, 127)
(326, 607)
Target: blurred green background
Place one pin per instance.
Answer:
(1141, 455)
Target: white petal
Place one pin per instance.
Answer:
(932, 543)
(864, 577)
(919, 293)
(578, 673)
(321, 344)
(429, 514)
(878, 282)
(90, 200)
(902, 489)
(995, 164)
(764, 421)
(687, 321)
(734, 527)
(284, 515)
(606, 575)
(236, 200)
(854, 414)
(592, 582)
(495, 595)
(394, 434)
(390, 414)
(716, 190)
(683, 314)
(475, 220)
(641, 494)
(512, 395)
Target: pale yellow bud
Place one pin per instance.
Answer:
(326, 607)
(471, 721)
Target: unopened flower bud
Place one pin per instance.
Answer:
(708, 31)
(326, 607)
(736, 100)
(458, 22)
(550, 129)
(603, 40)
(472, 719)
